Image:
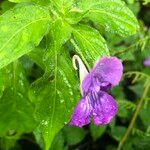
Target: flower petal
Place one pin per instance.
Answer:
(82, 113)
(108, 69)
(104, 109)
(87, 83)
(147, 62)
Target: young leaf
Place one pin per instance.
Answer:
(21, 28)
(63, 5)
(18, 119)
(89, 43)
(112, 14)
(55, 95)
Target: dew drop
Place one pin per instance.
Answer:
(70, 92)
(61, 101)
(65, 123)
(44, 122)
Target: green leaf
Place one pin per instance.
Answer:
(143, 143)
(5, 5)
(124, 107)
(66, 9)
(9, 144)
(118, 132)
(130, 1)
(63, 5)
(73, 135)
(144, 115)
(138, 132)
(146, 2)
(41, 2)
(89, 43)
(1, 84)
(61, 82)
(39, 138)
(37, 56)
(58, 143)
(19, 117)
(56, 95)
(112, 147)
(59, 33)
(21, 28)
(54, 62)
(138, 76)
(73, 16)
(97, 131)
(113, 15)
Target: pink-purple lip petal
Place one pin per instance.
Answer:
(96, 104)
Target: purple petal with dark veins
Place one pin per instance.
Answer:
(105, 86)
(109, 69)
(104, 109)
(82, 113)
(87, 83)
(105, 74)
(98, 104)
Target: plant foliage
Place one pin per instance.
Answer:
(39, 87)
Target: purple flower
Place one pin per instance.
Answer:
(96, 103)
(147, 62)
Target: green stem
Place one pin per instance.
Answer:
(131, 125)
